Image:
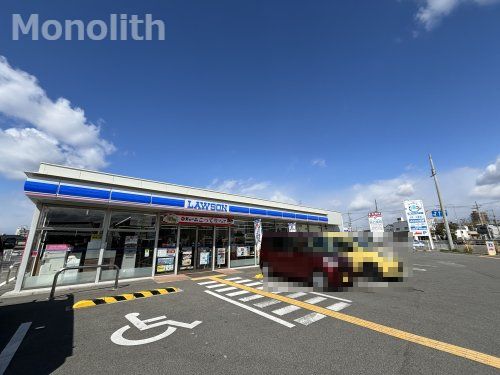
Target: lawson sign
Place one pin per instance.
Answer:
(192, 204)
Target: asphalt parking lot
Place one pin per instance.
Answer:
(229, 324)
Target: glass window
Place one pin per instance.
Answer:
(55, 249)
(242, 244)
(167, 245)
(221, 247)
(132, 251)
(69, 217)
(128, 220)
(204, 248)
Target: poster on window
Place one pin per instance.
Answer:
(187, 257)
(221, 256)
(165, 264)
(242, 251)
(292, 227)
(204, 257)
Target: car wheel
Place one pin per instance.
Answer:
(320, 281)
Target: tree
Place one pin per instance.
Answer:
(441, 230)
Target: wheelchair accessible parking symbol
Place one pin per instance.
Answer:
(142, 325)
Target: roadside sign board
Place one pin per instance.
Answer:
(415, 215)
(490, 245)
(438, 213)
(376, 222)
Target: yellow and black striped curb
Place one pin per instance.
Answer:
(124, 297)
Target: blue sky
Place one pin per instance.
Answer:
(327, 103)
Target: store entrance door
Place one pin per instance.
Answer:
(195, 249)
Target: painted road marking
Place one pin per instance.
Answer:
(423, 265)
(251, 298)
(286, 310)
(260, 288)
(10, 350)
(238, 293)
(243, 281)
(315, 300)
(261, 313)
(328, 296)
(338, 306)
(218, 285)
(254, 283)
(269, 302)
(207, 282)
(233, 278)
(310, 318)
(5, 282)
(227, 289)
(472, 355)
(296, 295)
(124, 297)
(419, 269)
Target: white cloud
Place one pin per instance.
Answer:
(253, 188)
(54, 131)
(430, 12)
(488, 182)
(318, 163)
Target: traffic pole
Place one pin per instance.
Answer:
(451, 246)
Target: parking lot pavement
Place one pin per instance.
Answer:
(196, 331)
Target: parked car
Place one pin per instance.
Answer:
(330, 261)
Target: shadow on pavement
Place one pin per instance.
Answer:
(49, 340)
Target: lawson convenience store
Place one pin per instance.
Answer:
(146, 228)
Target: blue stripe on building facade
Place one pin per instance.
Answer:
(31, 186)
(239, 209)
(40, 187)
(168, 201)
(130, 197)
(77, 191)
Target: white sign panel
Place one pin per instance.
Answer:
(376, 222)
(490, 245)
(292, 227)
(415, 215)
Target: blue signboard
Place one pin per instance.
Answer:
(438, 213)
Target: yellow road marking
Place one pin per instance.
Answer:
(473, 355)
(206, 277)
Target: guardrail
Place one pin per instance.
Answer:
(54, 283)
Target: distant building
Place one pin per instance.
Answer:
(400, 225)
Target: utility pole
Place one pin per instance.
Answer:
(482, 221)
(451, 246)
(349, 225)
(376, 207)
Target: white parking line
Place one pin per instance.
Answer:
(218, 285)
(227, 289)
(260, 288)
(419, 269)
(243, 281)
(254, 283)
(338, 306)
(286, 310)
(309, 318)
(11, 348)
(208, 282)
(315, 300)
(251, 298)
(233, 278)
(261, 313)
(238, 293)
(328, 296)
(296, 295)
(269, 302)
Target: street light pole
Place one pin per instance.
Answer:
(446, 225)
